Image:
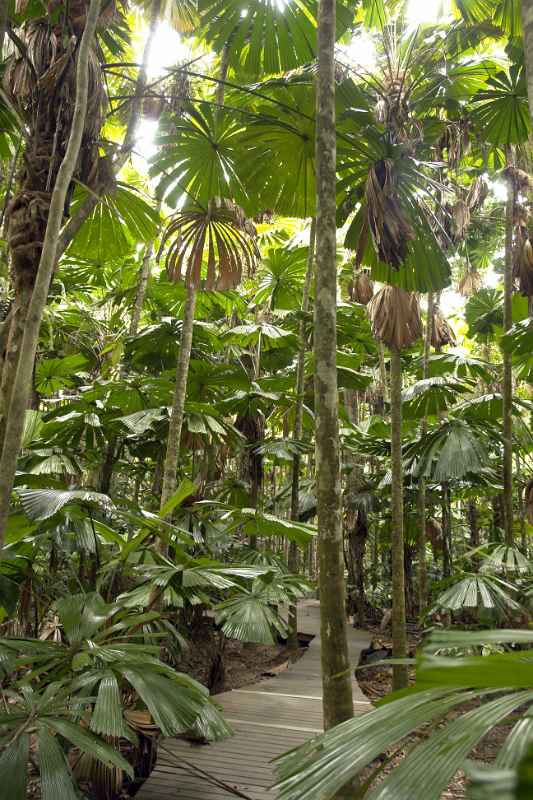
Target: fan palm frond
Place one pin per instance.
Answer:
(224, 232)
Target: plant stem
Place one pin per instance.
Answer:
(170, 468)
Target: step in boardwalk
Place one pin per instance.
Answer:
(268, 719)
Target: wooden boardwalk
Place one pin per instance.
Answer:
(268, 719)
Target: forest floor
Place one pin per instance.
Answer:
(376, 682)
(243, 663)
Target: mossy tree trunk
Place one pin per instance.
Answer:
(336, 671)
(399, 633)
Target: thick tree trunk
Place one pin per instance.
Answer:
(421, 498)
(298, 426)
(23, 381)
(336, 670)
(170, 468)
(507, 360)
(399, 632)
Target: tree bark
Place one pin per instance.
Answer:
(22, 386)
(298, 427)
(142, 284)
(507, 358)
(399, 632)
(336, 672)
(170, 468)
(421, 498)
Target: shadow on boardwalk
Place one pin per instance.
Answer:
(268, 718)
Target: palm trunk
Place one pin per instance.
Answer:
(298, 427)
(336, 671)
(142, 285)
(399, 632)
(421, 498)
(170, 468)
(23, 381)
(507, 360)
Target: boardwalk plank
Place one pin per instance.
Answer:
(268, 718)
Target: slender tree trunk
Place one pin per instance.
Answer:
(507, 359)
(527, 26)
(23, 381)
(421, 498)
(382, 371)
(170, 468)
(399, 631)
(298, 426)
(336, 670)
(142, 285)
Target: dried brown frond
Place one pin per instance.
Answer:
(455, 141)
(390, 228)
(470, 283)
(361, 288)
(460, 219)
(395, 317)
(441, 332)
(222, 233)
(477, 194)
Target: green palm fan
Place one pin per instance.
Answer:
(201, 157)
(266, 36)
(224, 232)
